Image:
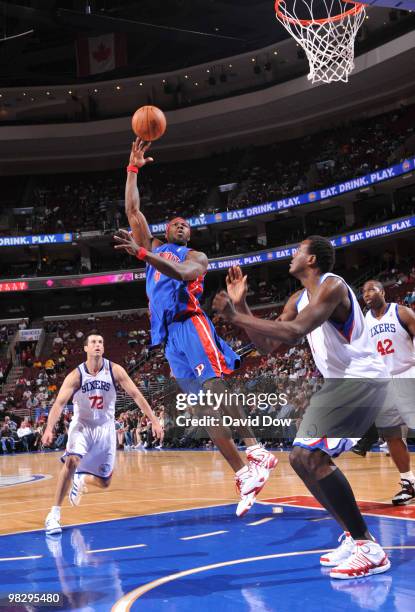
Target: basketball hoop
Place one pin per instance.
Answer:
(328, 40)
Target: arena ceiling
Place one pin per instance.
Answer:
(39, 36)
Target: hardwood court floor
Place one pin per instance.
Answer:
(163, 481)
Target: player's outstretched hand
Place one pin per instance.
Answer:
(47, 437)
(156, 428)
(223, 305)
(236, 284)
(138, 149)
(126, 242)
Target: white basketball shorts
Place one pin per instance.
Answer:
(96, 445)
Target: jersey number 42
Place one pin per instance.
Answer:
(385, 347)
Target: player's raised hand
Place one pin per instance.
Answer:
(223, 305)
(138, 150)
(126, 242)
(236, 284)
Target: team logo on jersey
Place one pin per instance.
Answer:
(12, 481)
(199, 369)
(104, 469)
(96, 384)
(381, 328)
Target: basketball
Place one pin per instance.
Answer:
(149, 123)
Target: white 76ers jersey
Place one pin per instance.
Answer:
(391, 340)
(343, 350)
(94, 402)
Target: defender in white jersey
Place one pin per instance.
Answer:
(392, 329)
(90, 451)
(327, 312)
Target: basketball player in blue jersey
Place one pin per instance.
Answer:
(91, 447)
(197, 356)
(328, 313)
(392, 331)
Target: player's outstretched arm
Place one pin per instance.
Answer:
(136, 219)
(320, 308)
(237, 287)
(129, 387)
(69, 386)
(190, 269)
(407, 316)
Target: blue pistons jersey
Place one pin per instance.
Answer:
(192, 346)
(169, 299)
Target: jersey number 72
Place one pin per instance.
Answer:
(97, 402)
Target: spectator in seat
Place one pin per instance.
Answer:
(6, 438)
(10, 423)
(26, 435)
(50, 366)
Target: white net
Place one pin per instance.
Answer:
(326, 30)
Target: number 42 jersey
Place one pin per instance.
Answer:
(94, 401)
(392, 340)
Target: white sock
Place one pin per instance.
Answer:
(56, 510)
(242, 471)
(408, 476)
(254, 447)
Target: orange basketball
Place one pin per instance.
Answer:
(149, 123)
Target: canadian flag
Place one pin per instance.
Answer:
(100, 54)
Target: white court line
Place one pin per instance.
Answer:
(21, 558)
(89, 552)
(120, 518)
(204, 535)
(261, 521)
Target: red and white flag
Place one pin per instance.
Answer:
(100, 54)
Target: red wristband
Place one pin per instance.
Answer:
(132, 168)
(141, 253)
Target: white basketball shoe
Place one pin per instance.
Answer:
(368, 558)
(78, 489)
(341, 553)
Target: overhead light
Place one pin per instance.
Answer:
(208, 70)
(164, 80)
(24, 94)
(196, 83)
(253, 60)
(70, 91)
(118, 88)
(186, 76)
(141, 84)
(275, 52)
(95, 90)
(48, 93)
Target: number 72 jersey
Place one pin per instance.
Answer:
(391, 340)
(94, 401)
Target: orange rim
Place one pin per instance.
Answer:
(306, 22)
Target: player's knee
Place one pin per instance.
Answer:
(304, 461)
(72, 462)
